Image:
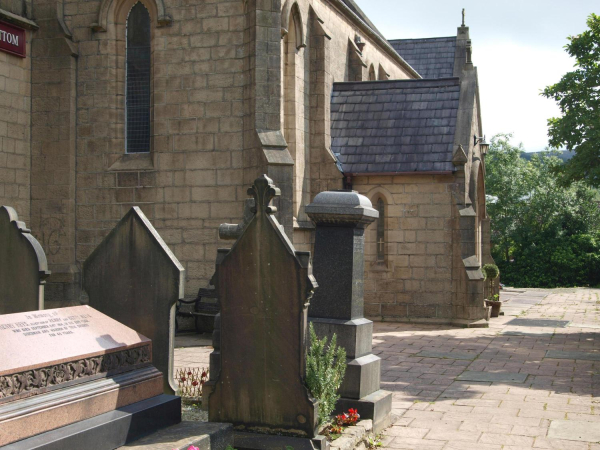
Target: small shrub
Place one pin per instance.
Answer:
(190, 381)
(325, 370)
(490, 271)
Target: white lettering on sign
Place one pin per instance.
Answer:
(9, 37)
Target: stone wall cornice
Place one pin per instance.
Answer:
(18, 20)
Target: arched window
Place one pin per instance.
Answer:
(137, 86)
(372, 76)
(380, 230)
(296, 105)
(383, 75)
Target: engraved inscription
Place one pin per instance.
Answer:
(48, 324)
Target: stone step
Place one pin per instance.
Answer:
(204, 435)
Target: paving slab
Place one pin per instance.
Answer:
(544, 323)
(447, 355)
(438, 404)
(584, 325)
(524, 301)
(572, 430)
(203, 435)
(559, 354)
(525, 334)
(494, 377)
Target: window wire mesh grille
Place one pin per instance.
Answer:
(137, 96)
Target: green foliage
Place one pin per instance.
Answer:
(373, 442)
(490, 271)
(325, 370)
(578, 98)
(543, 234)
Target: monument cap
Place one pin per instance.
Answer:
(341, 208)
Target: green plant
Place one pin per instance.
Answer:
(373, 442)
(576, 95)
(325, 370)
(543, 235)
(494, 298)
(347, 419)
(491, 272)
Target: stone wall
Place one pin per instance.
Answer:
(217, 108)
(53, 159)
(319, 49)
(416, 278)
(191, 181)
(15, 107)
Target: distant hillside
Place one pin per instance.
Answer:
(565, 155)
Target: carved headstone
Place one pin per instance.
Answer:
(23, 266)
(64, 366)
(264, 286)
(133, 277)
(338, 306)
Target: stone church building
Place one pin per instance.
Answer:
(177, 106)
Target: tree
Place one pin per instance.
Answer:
(507, 185)
(543, 235)
(578, 97)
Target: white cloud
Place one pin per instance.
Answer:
(511, 77)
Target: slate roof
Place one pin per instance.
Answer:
(394, 126)
(359, 12)
(432, 58)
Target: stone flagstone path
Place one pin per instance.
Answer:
(509, 387)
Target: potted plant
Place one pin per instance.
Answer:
(491, 272)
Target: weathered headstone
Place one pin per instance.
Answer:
(338, 305)
(133, 277)
(264, 286)
(63, 367)
(23, 266)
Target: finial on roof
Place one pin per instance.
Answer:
(463, 17)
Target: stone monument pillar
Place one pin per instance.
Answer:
(338, 305)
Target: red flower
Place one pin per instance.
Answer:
(194, 383)
(183, 379)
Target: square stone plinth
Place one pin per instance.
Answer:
(376, 406)
(355, 336)
(362, 377)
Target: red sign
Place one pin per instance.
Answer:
(12, 39)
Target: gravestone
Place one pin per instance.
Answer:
(338, 305)
(133, 277)
(23, 266)
(63, 367)
(264, 286)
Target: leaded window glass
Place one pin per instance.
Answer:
(381, 230)
(137, 96)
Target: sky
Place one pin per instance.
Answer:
(518, 49)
